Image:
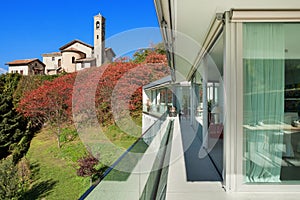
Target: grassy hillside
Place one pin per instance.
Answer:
(54, 169)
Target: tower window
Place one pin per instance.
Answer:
(97, 24)
(97, 37)
(73, 59)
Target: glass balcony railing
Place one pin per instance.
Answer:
(156, 110)
(141, 170)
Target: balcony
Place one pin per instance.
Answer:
(168, 162)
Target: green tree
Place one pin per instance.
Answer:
(141, 55)
(10, 184)
(15, 131)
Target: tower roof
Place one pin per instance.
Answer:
(99, 15)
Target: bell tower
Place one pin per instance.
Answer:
(99, 39)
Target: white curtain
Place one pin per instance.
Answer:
(263, 71)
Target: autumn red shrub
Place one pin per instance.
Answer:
(117, 85)
(51, 103)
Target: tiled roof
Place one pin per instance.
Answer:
(85, 59)
(53, 54)
(20, 62)
(72, 50)
(73, 42)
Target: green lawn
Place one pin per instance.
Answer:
(54, 169)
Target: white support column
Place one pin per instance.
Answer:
(205, 108)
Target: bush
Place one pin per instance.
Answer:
(10, 185)
(87, 167)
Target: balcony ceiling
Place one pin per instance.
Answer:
(191, 19)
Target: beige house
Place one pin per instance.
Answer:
(77, 55)
(52, 62)
(27, 67)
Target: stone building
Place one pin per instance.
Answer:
(77, 55)
(26, 67)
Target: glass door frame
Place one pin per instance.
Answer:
(236, 59)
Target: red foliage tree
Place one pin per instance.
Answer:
(50, 103)
(87, 167)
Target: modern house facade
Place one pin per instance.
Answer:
(26, 67)
(247, 52)
(235, 87)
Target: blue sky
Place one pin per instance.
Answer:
(33, 27)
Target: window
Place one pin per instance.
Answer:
(73, 59)
(97, 37)
(271, 102)
(53, 58)
(21, 72)
(97, 25)
(59, 62)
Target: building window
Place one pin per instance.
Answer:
(271, 102)
(97, 25)
(59, 62)
(97, 37)
(73, 59)
(21, 72)
(53, 58)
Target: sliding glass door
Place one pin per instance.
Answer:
(271, 102)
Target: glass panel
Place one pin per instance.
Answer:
(157, 101)
(271, 102)
(142, 171)
(215, 101)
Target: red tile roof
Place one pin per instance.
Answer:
(72, 50)
(20, 62)
(24, 62)
(73, 42)
(53, 54)
(85, 59)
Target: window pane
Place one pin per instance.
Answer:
(271, 102)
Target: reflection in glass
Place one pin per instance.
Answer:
(271, 84)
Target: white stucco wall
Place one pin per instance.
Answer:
(27, 69)
(81, 66)
(83, 48)
(51, 64)
(17, 69)
(67, 64)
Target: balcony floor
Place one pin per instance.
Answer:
(192, 178)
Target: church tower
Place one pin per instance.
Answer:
(99, 39)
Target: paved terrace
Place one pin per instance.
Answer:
(180, 186)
